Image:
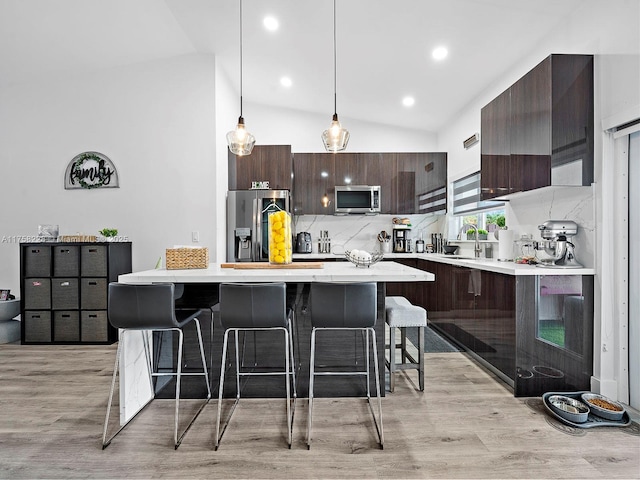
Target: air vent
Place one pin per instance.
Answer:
(472, 140)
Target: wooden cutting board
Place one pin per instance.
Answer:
(267, 265)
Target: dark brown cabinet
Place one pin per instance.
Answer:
(272, 163)
(64, 290)
(409, 182)
(539, 132)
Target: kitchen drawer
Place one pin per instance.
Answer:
(93, 293)
(94, 326)
(64, 293)
(37, 261)
(66, 261)
(37, 294)
(66, 326)
(37, 326)
(93, 261)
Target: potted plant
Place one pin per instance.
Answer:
(482, 234)
(109, 234)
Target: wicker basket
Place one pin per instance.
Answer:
(186, 258)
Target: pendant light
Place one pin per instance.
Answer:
(335, 138)
(240, 141)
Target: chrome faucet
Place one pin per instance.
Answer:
(476, 247)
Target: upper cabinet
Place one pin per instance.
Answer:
(409, 182)
(272, 163)
(539, 132)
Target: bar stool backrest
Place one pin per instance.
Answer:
(144, 307)
(253, 305)
(343, 305)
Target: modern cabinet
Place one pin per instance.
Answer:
(534, 331)
(64, 290)
(410, 182)
(271, 163)
(539, 132)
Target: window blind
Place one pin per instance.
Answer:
(466, 196)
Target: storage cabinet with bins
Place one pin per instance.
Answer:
(64, 290)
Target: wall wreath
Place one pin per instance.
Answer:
(90, 170)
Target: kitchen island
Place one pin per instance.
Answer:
(135, 390)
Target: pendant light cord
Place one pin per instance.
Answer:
(240, 58)
(335, 64)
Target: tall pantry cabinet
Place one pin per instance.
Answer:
(64, 290)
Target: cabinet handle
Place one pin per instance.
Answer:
(93, 250)
(64, 284)
(66, 316)
(93, 316)
(93, 283)
(35, 316)
(35, 250)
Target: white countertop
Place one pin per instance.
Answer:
(488, 264)
(331, 272)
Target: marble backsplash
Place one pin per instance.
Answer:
(524, 212)
(360, 231)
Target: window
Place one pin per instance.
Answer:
(469, 208)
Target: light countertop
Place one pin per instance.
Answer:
(331, 272)
(488, 264)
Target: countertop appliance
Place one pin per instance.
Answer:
(401, 241)
(247, 222)
(357, 199)
(556, 244)
(303, 242)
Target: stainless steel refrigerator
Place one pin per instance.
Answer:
(247, 222)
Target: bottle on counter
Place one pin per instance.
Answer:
(420, 244)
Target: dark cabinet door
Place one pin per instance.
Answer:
(405, 183)
(380, 169)
(531, 130)
(412, 291)
(313, 177)
(349, 169)
(272, 163)
(495, 147)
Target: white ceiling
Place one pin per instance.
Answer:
(384, 47)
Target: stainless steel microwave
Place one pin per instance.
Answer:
(357, 199)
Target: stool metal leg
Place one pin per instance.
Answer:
(312, 363)
(421, 358)
(379, 427)
(392, 359)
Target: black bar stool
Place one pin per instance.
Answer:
(151, 308)
(345, 307)
(253, 307)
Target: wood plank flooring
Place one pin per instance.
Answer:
(465, 425)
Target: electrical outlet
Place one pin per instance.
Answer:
(195, 237)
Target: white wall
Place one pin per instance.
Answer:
(303, 130)
(610, 31)
(155, 121)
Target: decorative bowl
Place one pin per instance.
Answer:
(569, 408)
(450, 249)
(603, 406)
(362, 258)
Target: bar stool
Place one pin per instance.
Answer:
(151, 308)
(345, 307)
(402, 314)
(252, 307)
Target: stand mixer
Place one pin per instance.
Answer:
(556, 244)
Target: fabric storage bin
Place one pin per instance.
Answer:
(37, 294)
(37, 261)
(66, 326)
(93, 293)
(64, 293)
(93, 261)
(37, 326)
(65, 261)
(94, 326)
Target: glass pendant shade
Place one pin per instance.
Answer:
(335, 138)
(240, 141)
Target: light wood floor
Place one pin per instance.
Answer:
(465, 425)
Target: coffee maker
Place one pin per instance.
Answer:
(557, 245)
(401, 241)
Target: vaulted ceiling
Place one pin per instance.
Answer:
(383, 47)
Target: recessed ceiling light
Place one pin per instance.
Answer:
(270, 23)
(408, 101)
(286, 82)
(440, 53)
